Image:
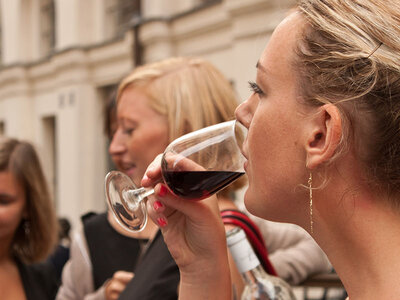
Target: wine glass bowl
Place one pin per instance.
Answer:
(194, 166)
(202, 162)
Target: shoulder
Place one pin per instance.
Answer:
(93, 218)
(93, 223)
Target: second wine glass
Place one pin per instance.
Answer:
(194, 166)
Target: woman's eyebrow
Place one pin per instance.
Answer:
(128, 122)
(260, 67)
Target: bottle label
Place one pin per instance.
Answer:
(243, 255)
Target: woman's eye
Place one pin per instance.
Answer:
(5, 201)
(255, 88)
(128, 131)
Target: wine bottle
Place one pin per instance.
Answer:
(258, 284)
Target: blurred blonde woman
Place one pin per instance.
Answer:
(28, 225)
(156, 103)
(160, 102)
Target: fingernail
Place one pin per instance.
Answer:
(163, 191)
(157, 205)
(161, 222)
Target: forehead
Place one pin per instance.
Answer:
(279, 52)
(135, 103)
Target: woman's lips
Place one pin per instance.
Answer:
(128, 168)
(130, 172)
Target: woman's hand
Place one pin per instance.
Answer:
(117, 284)
(195, 236)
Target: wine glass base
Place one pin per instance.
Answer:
(129, 213)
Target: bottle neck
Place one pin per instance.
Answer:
(252, 276)
(259, 284)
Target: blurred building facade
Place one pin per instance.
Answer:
(61, 59)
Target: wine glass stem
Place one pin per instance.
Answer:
(139, 194)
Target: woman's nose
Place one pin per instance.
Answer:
(244, 113)
(117, 145)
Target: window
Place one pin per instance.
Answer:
(2, 128)
(119, 15)
(203, 2)
(1, 37)
(47, 26)
(107, 95)
(50, 154)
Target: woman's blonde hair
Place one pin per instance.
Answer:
(190, 92)
(349, 55)
(35, 241)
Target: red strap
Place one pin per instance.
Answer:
(253, 234)
(245, 218)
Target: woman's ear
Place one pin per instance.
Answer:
(324, 136)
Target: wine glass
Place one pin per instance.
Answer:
(194, 166)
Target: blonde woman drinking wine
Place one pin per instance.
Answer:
(323, 151)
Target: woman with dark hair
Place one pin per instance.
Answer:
(28, 225)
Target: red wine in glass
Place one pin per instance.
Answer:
(198, 185)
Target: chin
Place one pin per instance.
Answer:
(250, 201)
(259, 208)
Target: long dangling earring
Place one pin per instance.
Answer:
(311, 204)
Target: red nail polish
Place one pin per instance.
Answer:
(163, 191)
(161, 222)
(157, 205)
